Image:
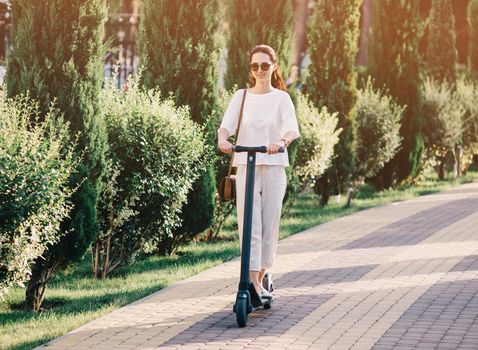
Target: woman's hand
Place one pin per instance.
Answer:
(222, 143)
(225, 146)
(274, 147)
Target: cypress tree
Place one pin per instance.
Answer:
(255, 22)
(441, 57)
(394, 64)
(58, 57)
(473, 38)
(441, 60)
(179, 49)
(331, 82)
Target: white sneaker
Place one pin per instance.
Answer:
(266, 294)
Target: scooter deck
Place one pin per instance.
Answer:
(265, 305)
(268, 304)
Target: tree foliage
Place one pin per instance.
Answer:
(441, 56)
(179, 52)
(473, 38)
(255, 22)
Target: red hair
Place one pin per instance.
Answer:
(277, 81)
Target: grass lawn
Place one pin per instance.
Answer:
(73, 297)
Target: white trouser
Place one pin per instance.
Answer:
(269, 190)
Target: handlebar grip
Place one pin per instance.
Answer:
(258, 149)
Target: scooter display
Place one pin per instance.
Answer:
(243, 306)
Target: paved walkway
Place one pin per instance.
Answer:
(401, 276)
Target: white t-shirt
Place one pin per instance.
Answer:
(266, 119)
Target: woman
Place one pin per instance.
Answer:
(268, 119)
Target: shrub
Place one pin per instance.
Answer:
(221, 162)
(35, 166)
(467, 95)
(378, 130)
(318, 138)
(156, 153)
(443, 115)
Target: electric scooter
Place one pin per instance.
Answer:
(243, 306)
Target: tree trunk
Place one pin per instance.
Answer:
(350, 194)
(352, 190)
(131, 7)
(322, 188)
(96, 261)
(457, 164)
(441, 168)
(3, 47)
(301, 13)
(366, 20)
(42, 271)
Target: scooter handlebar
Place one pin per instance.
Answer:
(258, 149)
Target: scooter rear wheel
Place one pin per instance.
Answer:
(267, 282)
(242, 315)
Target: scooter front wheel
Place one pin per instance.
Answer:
(242, 315)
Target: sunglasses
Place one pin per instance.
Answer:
(264, 66)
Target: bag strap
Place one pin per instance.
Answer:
(237, 130)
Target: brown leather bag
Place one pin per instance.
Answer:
(227, 186)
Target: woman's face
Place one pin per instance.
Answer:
(260, 61)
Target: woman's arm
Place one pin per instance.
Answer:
(224, 145)
(283, 142)
(229, 123)
(289, 137)
(289, 129)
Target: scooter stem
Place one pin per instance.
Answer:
(248, 208)
(247, 228)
